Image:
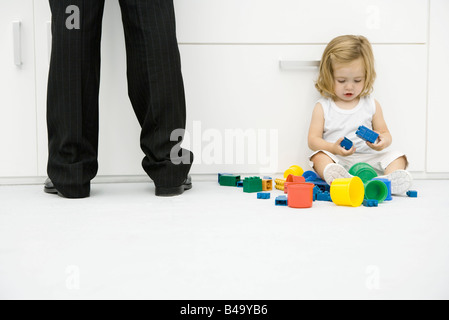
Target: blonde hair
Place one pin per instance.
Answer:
(345, 49)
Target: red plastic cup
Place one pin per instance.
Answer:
(291, 179)
(300, 195)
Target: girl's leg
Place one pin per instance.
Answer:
(320, 162)
(398, 164)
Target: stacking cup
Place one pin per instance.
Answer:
(364, 171)
(294, 170)
(348, 192)
(376, 190)
(300, 195)
(388, 184)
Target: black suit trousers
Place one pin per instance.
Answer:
(155, 88)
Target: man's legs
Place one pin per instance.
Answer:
(156, 88)
(72, 101)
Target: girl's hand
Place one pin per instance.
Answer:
(339, 150)
(381, 143)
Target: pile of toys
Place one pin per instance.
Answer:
(300, 191)
(301, 188)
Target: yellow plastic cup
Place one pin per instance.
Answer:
(348, 192)
(294, 170)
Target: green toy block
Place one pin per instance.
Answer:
(252, 184)
(229, 180)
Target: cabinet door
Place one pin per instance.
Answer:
(18, 108)
(43, 51)
(400, 88)
(300, 21)
(240, 92)
(437, 153)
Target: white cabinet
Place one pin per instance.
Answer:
(43, 50)
(438, 110)
(300, 21)
(17, 90)
(230, 54)
(242, 87)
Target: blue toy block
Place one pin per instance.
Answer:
(324, 196)
(316, 191)
(281, 201)
(367, 134)
(347, 144)
(321, 184)
(412, 194)
(240, 184)
(267, 178)
(263, 195)
(310, 176)
(370, 203)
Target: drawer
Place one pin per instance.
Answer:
(300, 21)
(241, 90)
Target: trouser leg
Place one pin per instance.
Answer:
(156, 88)
(72, 100)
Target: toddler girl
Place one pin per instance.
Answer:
(345, 82)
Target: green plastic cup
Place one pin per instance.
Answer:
(364, 171)
(376, 190)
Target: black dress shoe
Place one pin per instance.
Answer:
(50, 188)
(174, 191)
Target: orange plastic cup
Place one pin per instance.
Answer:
(300, 195)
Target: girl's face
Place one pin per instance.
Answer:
(349, 79)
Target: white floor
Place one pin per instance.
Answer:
(220, 243)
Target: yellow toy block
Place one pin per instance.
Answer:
(279, 187)
(267, 185)
(279, 184)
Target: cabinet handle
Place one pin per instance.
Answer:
(296, 65)
(16, 27)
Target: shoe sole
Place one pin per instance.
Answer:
(50, 190)
(172, 191)
(335, 171)
(401, 181)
